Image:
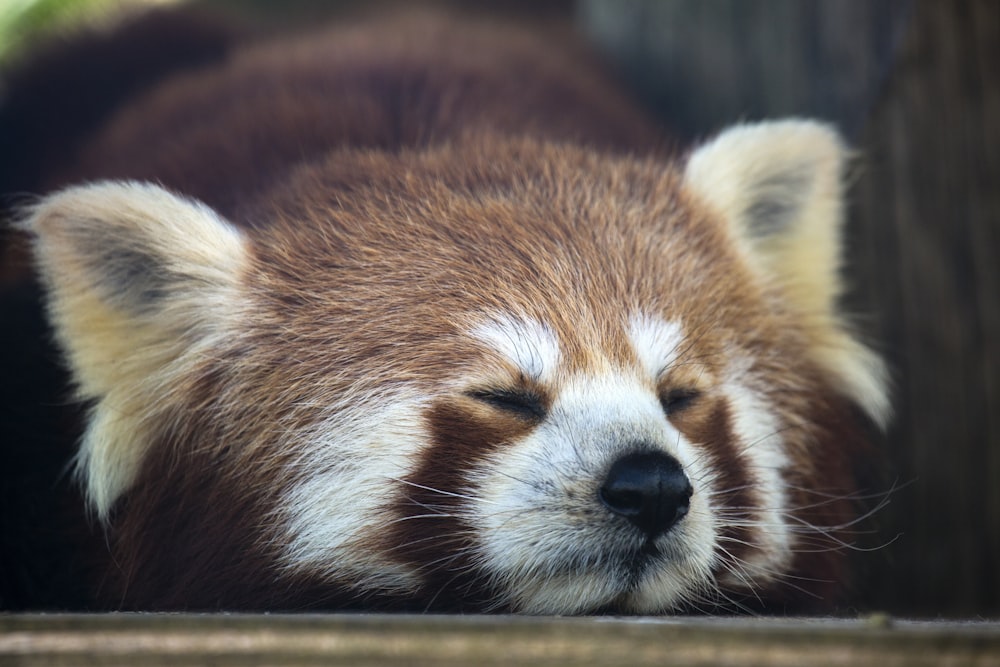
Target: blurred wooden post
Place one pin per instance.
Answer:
(928, 250)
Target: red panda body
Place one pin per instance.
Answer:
(421, 315)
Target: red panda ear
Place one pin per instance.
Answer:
(138, 282)
(778, 185)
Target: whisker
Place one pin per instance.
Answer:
(451, 494)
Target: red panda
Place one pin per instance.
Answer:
(426, 315)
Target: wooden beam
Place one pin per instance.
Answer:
(174, 639)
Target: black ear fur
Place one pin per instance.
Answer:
(129, 276)
(777, 201)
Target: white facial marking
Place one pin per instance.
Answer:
(656, 343)
(528, 344)
(346, 497)
(761, 446)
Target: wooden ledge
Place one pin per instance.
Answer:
(223, 639)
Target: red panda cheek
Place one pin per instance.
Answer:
(434, 499)
(708, 425)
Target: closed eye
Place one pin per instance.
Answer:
(677, 400)
(523, 403)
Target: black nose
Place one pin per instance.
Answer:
(649, 489)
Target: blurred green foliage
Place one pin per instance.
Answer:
(22, 21)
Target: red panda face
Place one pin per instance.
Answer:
(550, 412)
(501, 375)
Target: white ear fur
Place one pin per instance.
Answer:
(779, 186)
(138, 283)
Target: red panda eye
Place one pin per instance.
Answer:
(677, 400)
(523, 403)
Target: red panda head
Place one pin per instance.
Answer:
(493, 375)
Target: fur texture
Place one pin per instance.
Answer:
(421, 314)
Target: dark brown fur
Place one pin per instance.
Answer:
(413, 82)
